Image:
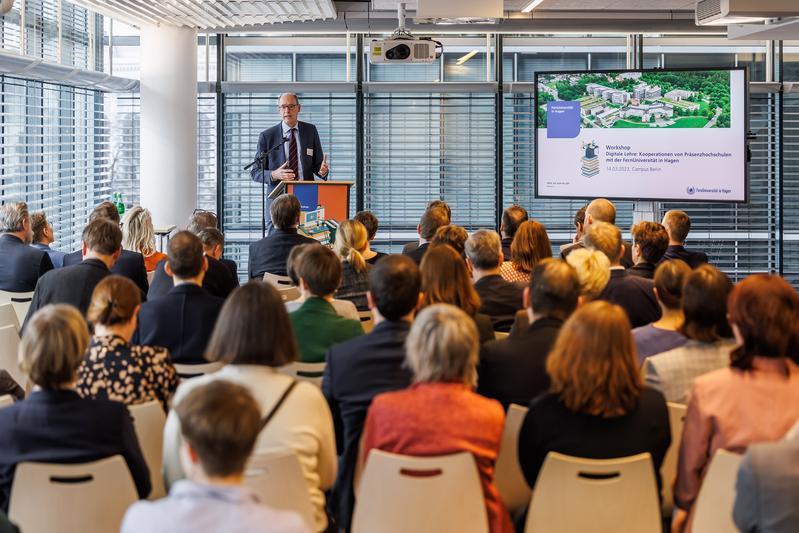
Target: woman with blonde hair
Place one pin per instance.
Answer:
(138, 235)
(530, 245)
(352, 240)
(597, 406)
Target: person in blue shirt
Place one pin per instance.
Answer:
(43, 237)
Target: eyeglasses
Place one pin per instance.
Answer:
(290, 107)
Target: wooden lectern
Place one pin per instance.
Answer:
(334, 196)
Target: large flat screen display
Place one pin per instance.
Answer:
(642, 134)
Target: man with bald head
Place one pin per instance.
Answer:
(299, 158)
(600, 210)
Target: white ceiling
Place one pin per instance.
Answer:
(205, 14)
(569, 5)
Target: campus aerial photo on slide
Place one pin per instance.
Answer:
(649, 99)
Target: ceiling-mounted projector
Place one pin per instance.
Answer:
(727, 12)
(5, 6)
(402, 47)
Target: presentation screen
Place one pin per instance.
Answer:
(642, 134)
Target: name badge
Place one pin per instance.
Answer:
(309, 151)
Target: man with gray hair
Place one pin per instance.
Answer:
(21, 265)
(500, 299)
(300, 157)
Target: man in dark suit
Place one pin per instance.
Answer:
(650, 241)
(130, 264)
(411, 246)
(43, 237)
(21, 265)
(213, 244)
(182, 319)
(600, 210)
(299, 158)
(513, 370)
(270, 253)
(359, 369)
(635, 294)
(512, 218)
(74, 284)
(678, 224)
(433, 218)
(499, 298)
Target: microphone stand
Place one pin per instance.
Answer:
(260, 160)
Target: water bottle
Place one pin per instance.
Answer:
(120, 204)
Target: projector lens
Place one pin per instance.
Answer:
(399, 52)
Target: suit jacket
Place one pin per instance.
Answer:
(500, 299)
(694, 259)
(130, 264)
(218, 280)
(72, 285)
(635, 294)
(308, 139)
(181, 320)
(409, 247)
(506, 242)
(21, 265)
(766, 491)
(61, 427)
(357, 370)
(233, 267)
(643, 270)
(513, 370)
(56, 256)
(317, 327)
(270, 253)
(417, 253)
(626, 259)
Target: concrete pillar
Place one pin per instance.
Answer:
(168, 153)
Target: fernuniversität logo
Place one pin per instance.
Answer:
(690, 189)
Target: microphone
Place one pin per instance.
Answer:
(261, 157)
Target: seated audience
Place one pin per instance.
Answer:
(708, 334)
(113, 368)
(530, 245)
(370, 222)
(512, 217)
(678, 224)
(597, 407)
(445, 279)
(44, 236)
(270, 253)
(316, 324)
(219, 424)
(74, 285)
(252, 349)
(411, 246)
(363, 367)
(56, 425)
(664, 334)
(10, 387)
(343, 308)
(138, 235)
(220, 278)
(452, 235)
(500, 299)
(579, 228)
(183, 319)
(129, 264)
(351, 242)
(766, 490)
(599, 210)
(513, 370)
(21, 265)
(634, 294)
(434, 217)
(214, 245)
(756, 398)
(650, 241)
(442, 349)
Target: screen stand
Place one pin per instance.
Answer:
(643, 210)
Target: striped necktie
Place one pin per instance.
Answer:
(293, 162)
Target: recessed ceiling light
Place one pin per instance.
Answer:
(532, 5)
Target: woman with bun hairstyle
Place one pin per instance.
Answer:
(351, 243)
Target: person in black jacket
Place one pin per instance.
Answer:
(56, 425)
(182, 319)
(650, 241)
(512, 218)
(678, 224)
(102, 243)
(513, 370)
(434, 217)
(359, 369)
(213, 245)
(270, 253)
(21, 265)
(597, 406)
(500, 299)
(633, 293)
(129, 264)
